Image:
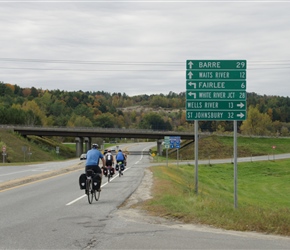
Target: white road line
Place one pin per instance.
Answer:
(76, 200)
(27, 170)
(13, 173)
(70, 203)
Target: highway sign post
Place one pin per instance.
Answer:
(172, 142)
(216, 90)
(4, 153)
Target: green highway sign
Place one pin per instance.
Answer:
(216, 89)
(204, 115)
(167, 141)
(216, 74)
(216, 64)
(216, 85)
(215, 95)
(215, 105)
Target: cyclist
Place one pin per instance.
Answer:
(120, 157)
(92, 162)
(109, 161)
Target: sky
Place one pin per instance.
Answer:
(141, 47)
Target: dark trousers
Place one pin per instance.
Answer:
(98, 173)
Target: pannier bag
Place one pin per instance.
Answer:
(120, 165)
(96, 182)
(105, 171)
(112, 171)
(82, 181)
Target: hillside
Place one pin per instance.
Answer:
(266, 115)
(221, 147)
(32, 149)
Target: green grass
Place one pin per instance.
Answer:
(263, 203)
(41, 148)
(221, 147)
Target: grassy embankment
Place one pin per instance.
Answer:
(221, 147)
(263, 190)
(22, 150)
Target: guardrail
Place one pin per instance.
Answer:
(137, 152)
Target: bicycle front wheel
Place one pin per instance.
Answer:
(90, 191)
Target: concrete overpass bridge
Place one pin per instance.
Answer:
(83, 136)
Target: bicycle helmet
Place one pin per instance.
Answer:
(95, 145)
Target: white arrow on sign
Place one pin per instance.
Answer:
(190, 63)
(192, 94)
(241, 115)
(240, 105)
(190, 74)
(192, 84)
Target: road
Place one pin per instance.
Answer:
(54, 214)
(12, 172)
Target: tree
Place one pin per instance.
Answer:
(35, 112)
(154, 121)
(79, 121)
(105, 121)
(256, 123)
(6, 89)
(83, 110)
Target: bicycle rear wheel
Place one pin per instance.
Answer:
(97, 194)
(90, 191)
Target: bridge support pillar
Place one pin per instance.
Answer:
(79, 146)
(88, 143)
(159, 147)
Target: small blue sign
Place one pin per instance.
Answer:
(174, 141)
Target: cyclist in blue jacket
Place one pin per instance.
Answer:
(93, 158)
(120, 157)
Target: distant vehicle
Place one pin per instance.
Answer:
(83, 157)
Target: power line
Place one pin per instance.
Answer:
(280, 62)
(151, 66)
(124, 70)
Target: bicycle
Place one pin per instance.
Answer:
(90, 191)
(108, 171)
(120, 168)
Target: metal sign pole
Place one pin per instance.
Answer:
(196, 154)
(167, 156)
(235, 167)
(177, 156)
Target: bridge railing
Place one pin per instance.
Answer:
(57, 128)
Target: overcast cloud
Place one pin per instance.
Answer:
(141, 47)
